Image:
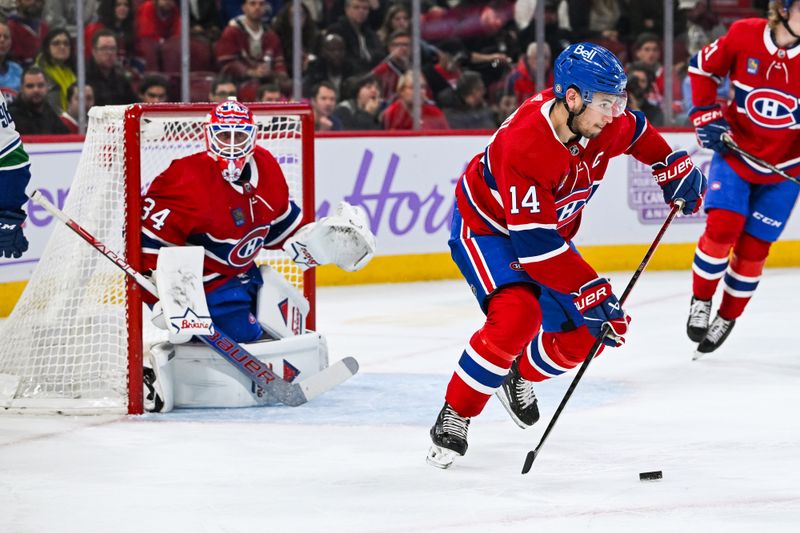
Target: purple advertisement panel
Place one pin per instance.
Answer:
(645, 196)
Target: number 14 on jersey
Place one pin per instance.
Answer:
(529, 200)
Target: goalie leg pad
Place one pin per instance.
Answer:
(282, 309)
(203, 379)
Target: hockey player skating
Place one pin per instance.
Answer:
(233, 200)
(518, 206)
(14, 177)
(748, 206)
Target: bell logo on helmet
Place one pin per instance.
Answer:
(591, 69)
(586, 53)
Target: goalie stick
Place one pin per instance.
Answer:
(599, 342)
(730, 143)
(291, 394)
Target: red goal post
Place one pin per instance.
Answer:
(74, 340)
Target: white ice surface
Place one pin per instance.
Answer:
(724, 431)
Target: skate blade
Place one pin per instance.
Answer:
(697, 355)
(507, 406)
(440, 457)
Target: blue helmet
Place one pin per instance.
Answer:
(589, 68)
(787, 4)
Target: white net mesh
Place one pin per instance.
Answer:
(67, 338)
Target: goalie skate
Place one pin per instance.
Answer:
(517, 396)
(449, 436)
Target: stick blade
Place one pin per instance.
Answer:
(529, 461)
(327, 378)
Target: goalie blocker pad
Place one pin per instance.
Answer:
(198, 377)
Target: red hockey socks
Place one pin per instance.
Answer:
(513, 317)
(743, 275)
(551, 354)
(711, 256)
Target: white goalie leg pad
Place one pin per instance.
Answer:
(343, 239)
(159, 374)
(204, 379)
(281, 308)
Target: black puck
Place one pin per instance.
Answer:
(650, 476)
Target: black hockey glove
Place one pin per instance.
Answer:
(12, 241)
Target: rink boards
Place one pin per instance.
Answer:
(405, 183)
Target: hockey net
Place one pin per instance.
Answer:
(73, 343)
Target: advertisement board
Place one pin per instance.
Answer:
(406, 183)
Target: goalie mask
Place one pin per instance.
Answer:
(231, 138)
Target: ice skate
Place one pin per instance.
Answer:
(699, 316)
(153, 403)
(717, 333)
(449, 436)
(518, 398)
(155, 396)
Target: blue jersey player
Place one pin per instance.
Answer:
(14, 176)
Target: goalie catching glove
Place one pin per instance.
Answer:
(343, 239)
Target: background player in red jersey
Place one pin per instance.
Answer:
(232, 199)
(748, 206)
(519, 204)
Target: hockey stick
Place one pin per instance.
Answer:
(292, 394)
(730, 143)
(597, 343)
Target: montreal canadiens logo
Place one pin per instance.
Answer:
(771, 108)
(569, 210)
(515, 265)
(246, 249)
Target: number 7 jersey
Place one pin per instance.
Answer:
(530, 187)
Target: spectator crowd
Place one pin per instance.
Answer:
(479, 59)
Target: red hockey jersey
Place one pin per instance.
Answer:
(765, 113)
(191, 204)
(529, 186)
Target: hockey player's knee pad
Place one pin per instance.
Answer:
(513, 318)
(723, 228)
(751, 248)
(572, 347)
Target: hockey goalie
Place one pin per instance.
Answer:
(204, 221)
